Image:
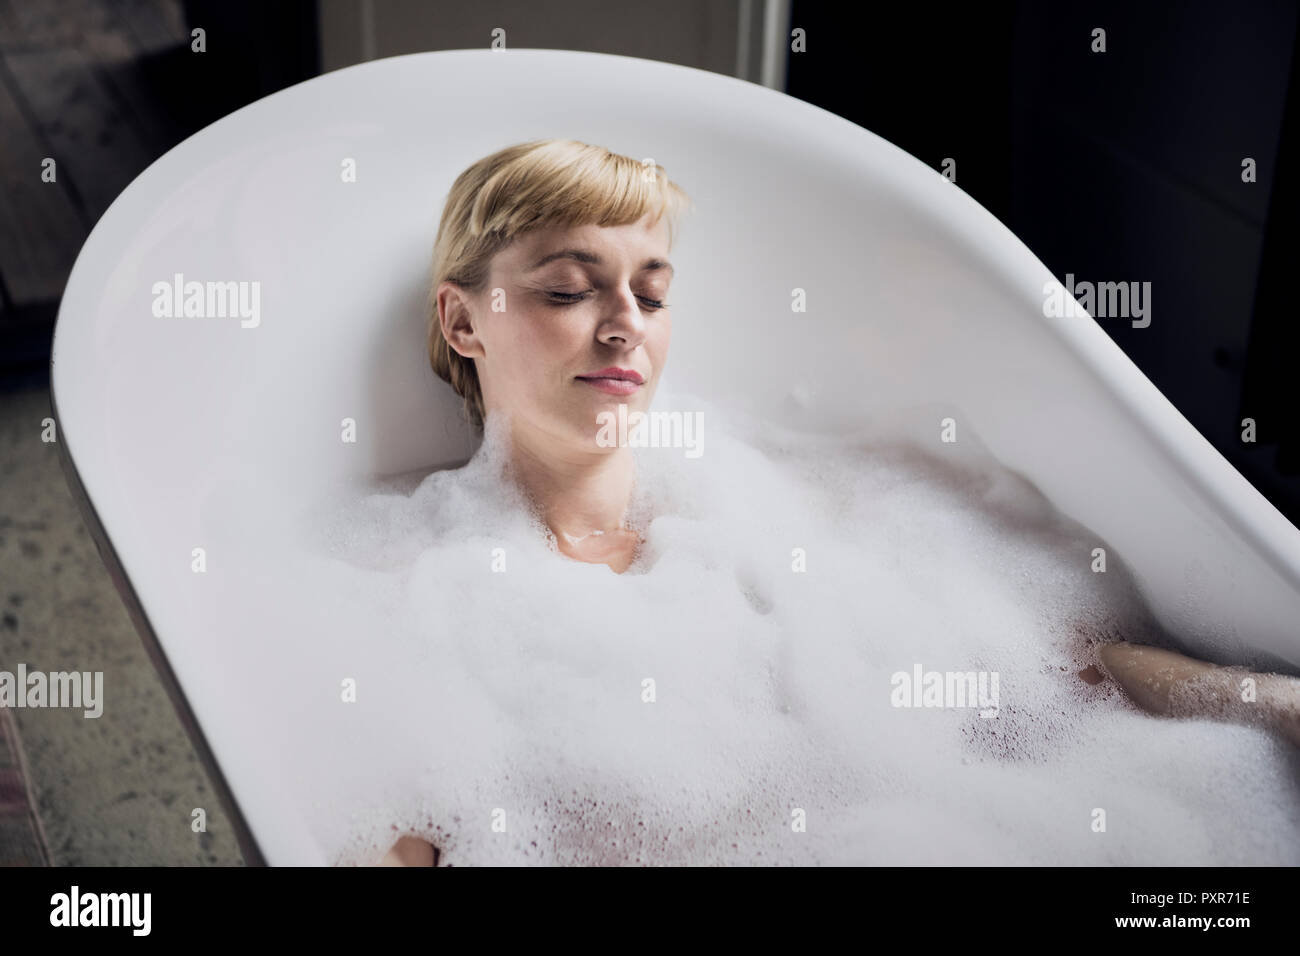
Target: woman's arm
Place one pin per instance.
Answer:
(409, 851)
(1166, 682)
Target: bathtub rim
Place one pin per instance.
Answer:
(1249, 513)
(1246, 509)
(244, 836)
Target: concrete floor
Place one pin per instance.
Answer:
(112, 791)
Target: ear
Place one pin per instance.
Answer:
(456, 317)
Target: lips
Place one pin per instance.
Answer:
(619, 374)
(614, 381)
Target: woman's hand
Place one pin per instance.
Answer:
(409, 851)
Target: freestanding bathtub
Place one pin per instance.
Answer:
(172, 425)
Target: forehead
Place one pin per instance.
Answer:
(632, 240)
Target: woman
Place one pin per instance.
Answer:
(550, 279)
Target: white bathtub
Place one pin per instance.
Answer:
(915, 294)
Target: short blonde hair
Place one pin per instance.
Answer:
(525, 187)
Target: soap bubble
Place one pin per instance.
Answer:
(691, 709)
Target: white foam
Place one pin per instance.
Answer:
(481, 691)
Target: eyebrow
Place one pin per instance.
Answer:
(582, 255)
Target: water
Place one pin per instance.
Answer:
(508, 716)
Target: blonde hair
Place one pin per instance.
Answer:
(525, 187)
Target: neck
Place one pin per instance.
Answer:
(577, 492)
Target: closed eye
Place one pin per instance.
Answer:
(568, 298)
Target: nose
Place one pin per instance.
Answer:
(624, 325)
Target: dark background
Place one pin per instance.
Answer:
(1116, 166)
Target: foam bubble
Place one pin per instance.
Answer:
(520, 696)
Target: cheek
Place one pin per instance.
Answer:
(549, 340)
(533, 343)
(657, 343)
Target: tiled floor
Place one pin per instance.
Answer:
(22, 838)
(113, 790)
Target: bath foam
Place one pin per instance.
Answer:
(504, 708)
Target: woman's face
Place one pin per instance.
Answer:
(570, 324)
